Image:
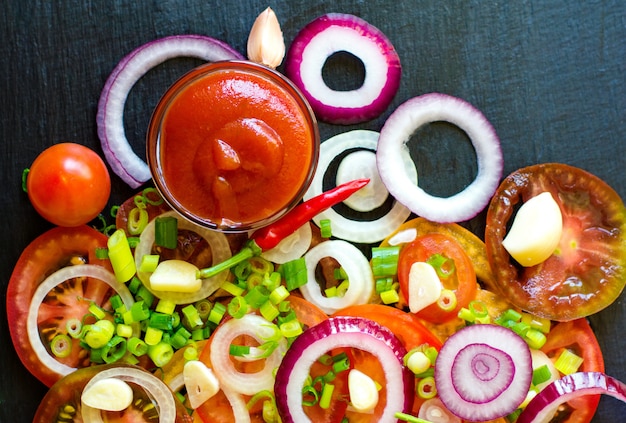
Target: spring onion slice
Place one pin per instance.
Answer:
(483, 372)
(220, 250)
(58, 277)
(110, 117)
(340, 32)
(292, 247)
(229, 376)
(397, 131)
(361, 286)
(158, 391)
(343, 332)
(366, 231)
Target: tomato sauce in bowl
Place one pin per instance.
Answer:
(233, 145)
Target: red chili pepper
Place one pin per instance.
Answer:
(270, 236)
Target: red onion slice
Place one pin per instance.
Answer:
(543, 406)
(483, 372)
(365, 231)
(110, 117)
(332, 33)
(340, 332)
(397, 131)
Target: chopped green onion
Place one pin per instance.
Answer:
(125, 331)
(239, 350)
(160, 321)
(295, 273)
(217, 313)
(385, 260)
(340, 274)
(279, 294)
(390, 296)
(417, 361)
(426, 388)
(74, 328)
(512, 315)
(160, 353)
(121, 256)
(272, 280)
(204, 308)
(257, 296)
(535, 338)
(478, 308)
(447, 300)
(153, 336)
(99, 334)
(541, 374)
(102, 253)
(269, 311)
(137, 220)
(260, 265)
(192, 317)
(568, 362)
(61, 345)
(144, 294)
(540, 323)
(383, 284)
(133, 241)
(444, 266)
(180, 337)
(114, 350)
(149, 263)
(409, 418)
(291, 328)
(139, 311)
(232, 289)
(326, 397)
(341, 365)
(190, 353)
(326, 228)
(165, 306)
(166, 232)
(151, 192)
(238, 307)
(308, 391)
(116, 302)
(134, 284)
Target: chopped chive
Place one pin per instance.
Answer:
(166, 232)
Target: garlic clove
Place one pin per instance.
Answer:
(266, 44)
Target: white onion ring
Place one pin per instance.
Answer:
(110, 117)
(483, 372)
(292, 247)
(397, 131)
(230, 378)
(157, 390)
(361, 279)
(353, 230)
(220, 250)
(58, 277)
(340, 332)
(332, 33)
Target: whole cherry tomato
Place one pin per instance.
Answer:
(68, 184)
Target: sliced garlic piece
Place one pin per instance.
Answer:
(200, 382)
(363, 391)
(109, 394)
(536, 230)
(424, 286)
(176, 276)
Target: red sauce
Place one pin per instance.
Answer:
(236, 148)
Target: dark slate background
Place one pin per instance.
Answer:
(548, 74)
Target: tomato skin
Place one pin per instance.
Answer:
(587, 272)
(68, 184)
(44, 255)
(67, 391)
(578, 336)
(462, 280)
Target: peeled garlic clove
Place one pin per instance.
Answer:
(176, 276)
(109, 394)
(536, 230)
(200, 382)
(363, 391)
(424, 286)
(266, 44)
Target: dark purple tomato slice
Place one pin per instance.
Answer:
(587, 271)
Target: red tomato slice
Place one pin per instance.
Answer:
(62, 402)
(587, 271)
(51, 251)
(462, 279)
(577, 336)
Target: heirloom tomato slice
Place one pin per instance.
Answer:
(587, 271)
(62, 402)
(57, 248)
